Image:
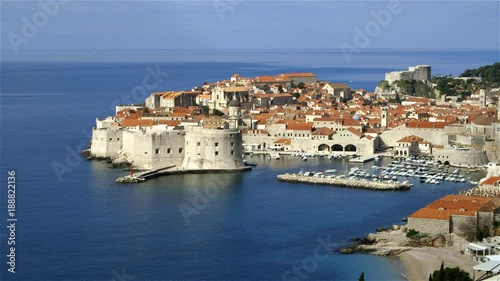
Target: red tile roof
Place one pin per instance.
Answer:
(356, 132)
(300, 126)
(491, 180)
(411, 138)
(323, 132)
(443, 208)
(284, 141)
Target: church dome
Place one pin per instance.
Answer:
(235, 102)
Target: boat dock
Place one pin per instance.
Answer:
(366, 158)
(342, 182)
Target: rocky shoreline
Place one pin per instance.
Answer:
(115, 162)
(393, 241)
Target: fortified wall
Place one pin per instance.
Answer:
(461, 158)
(190, 148)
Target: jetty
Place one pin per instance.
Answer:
(173, 170)
(365, 158)
(342, 182)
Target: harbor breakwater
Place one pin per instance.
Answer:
(361, 184)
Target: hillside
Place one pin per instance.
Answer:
(490, 74)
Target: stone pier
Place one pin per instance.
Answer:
(361, 184)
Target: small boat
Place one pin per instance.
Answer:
(331, 171)
(251, 164)
(305, 158)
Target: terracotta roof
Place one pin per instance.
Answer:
(170, 95)
(300, 126)
(172, 123)
(272, 79)
(356, 132)
(443, 208)
(339, 85)
(483, 120)
(136, 122)
(418, 99)
(411, 138)
(323, 132)
(426, 124)
(178, 114)
(284, 141)
(305, 74)
(491, 180)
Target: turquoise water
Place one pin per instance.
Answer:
(247, 226)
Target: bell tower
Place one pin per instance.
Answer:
(383, 118)
(234, 113)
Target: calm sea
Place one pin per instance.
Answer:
(75, 223)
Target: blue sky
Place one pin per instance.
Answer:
(222, 24)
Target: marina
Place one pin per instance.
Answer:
(381, 174)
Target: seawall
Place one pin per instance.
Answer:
(370, 185)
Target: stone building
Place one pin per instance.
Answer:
(149, 144)
(221, 95)
(418, 73)
(296, 78)
(460, 157)
(339, 91)
(408, 146)
(459, 214)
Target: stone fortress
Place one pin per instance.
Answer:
(206, 145)
(418, 73)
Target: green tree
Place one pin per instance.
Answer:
(362, 277)
(406, 87)
(384, 84)
(449, 274)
